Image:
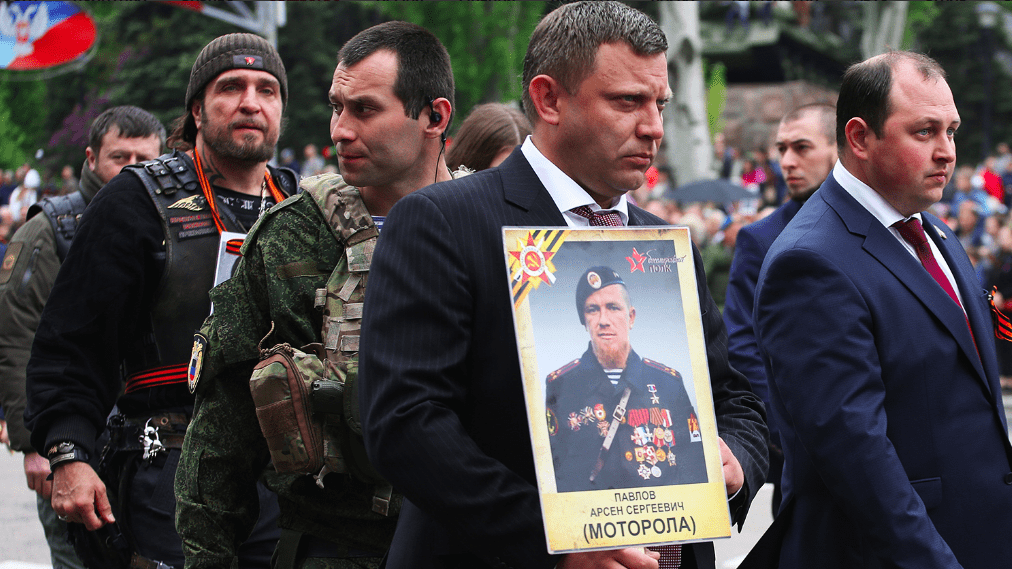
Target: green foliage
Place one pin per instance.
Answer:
(144, 58)
(920, 15)
(954, 38)
(20, 127)
(716, 97)
(486, 42)
(146, 51)
(308, 44)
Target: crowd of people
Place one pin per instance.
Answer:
(975, 204)
(176, 414)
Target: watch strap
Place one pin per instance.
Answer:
(66, 452)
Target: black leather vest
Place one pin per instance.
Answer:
(64, 213)
(181, 302)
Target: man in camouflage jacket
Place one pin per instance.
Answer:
(388, 145)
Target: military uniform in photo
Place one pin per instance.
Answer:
(625, 427)
(658, 442)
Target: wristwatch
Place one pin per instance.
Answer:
(65, 451)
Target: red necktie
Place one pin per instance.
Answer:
(608, 218)
(913, 233)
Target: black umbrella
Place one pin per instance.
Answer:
(719, 190)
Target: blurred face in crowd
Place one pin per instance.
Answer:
(807, 155)
(239, 117)
(607, 133)
(1005, 238)
(377, 143)
(967, 216)
(964, 179)
(991, 225)
(912, 161)
(118, 151)
(608, 319)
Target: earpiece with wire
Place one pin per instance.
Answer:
(435, 117)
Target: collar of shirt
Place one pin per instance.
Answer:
(565, 192)
(869, 199)
(881, 210)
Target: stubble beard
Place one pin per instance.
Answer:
(219, 139)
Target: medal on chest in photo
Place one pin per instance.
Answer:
(648, 435)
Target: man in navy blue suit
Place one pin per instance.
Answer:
(879, 347)
(441, 391)
(806, 141)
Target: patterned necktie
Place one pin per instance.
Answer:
(913, 233)
(607, 218)
(671, 556)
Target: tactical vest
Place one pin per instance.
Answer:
(341, 302)
(64, 213)
(307, 400)
(292, 388)
(181, 302)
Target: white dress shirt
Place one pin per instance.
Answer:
(881, 210)
(566, 193)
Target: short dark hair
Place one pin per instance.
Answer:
(423, 65)
(864, 92)
(826, 117)
(484, 133)
(564, 45)
(132, 122)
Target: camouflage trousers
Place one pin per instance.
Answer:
(333, 563)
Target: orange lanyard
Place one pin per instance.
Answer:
(205, 186)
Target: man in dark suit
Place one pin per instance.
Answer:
(880, 349)
(441, 389)
(806, 141)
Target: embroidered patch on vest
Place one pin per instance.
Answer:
(198, 232)
(192, 203)
(185, 219)
(196, 361)
(10, 259)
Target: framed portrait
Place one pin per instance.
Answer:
(617, 386)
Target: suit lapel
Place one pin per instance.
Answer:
(881, 244)
(971, 291)
(522, 188)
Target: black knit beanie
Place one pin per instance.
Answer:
(232, 51)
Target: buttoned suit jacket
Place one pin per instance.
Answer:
(441, 390)
(894, 434)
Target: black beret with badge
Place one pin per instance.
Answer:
(593, 280)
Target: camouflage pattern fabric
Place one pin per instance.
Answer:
(287, 256)
(330, 563)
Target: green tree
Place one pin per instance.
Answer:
(144, 58)
(308, 45)
(146, 50)
(486, 42)
(950, 33)
(20, 125)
